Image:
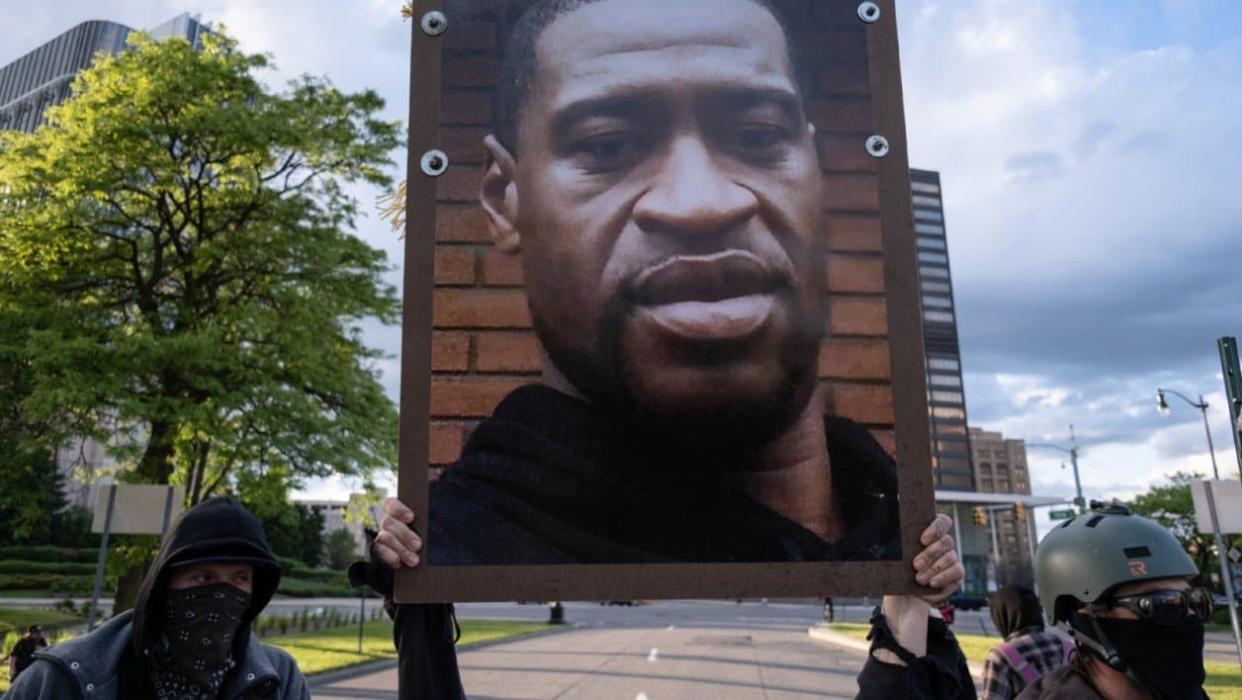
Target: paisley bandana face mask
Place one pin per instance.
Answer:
(197, 628)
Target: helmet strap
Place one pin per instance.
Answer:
(1103, 646)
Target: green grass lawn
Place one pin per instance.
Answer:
(336, 648)
(328, 650)
(14, 620)
(21, 618)
(1224, 681)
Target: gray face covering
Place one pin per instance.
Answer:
(197, 629)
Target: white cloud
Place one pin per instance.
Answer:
(1091, 207)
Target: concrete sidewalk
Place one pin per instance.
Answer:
(699, 661)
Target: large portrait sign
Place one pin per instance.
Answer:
(662, 332)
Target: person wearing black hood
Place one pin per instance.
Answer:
(188, 636)
(1027, 651)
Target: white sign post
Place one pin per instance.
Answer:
(1228, 496)
(1221, 502)
(130, 509)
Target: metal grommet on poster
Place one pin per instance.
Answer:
(434, 23)
(869, 12)
(877, 146)
(434, 162)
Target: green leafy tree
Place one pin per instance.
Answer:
(183, 237)
(310, 524)
(71, 527)
(30, 499)
(340, 549)
(33, 486)
(1173, 506)
(293, 529)
(179, 240)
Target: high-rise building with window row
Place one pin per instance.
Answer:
(981, 478)
(951, 466)
(41, 78)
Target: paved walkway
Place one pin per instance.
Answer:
(756, 656)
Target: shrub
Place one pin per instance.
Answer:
(53, 583)
(66, 605)
(24, 566)
(49, 553)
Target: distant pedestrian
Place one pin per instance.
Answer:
(22, 654)
(1027, 651)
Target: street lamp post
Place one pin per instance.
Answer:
(1079, 502)
(1163, 407)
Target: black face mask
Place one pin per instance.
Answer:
(1167, 660)
(197, 628)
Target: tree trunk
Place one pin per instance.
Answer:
(156, 465)
(127, 586)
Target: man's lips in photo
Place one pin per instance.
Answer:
(721, 297)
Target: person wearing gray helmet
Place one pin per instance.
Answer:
(1121, 587)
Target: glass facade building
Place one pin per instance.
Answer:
(951, 466)
(41, 78)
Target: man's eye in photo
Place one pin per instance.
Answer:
(607, 150)
(761, 137)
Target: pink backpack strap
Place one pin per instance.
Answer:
(1028, 672)
(1068, 645)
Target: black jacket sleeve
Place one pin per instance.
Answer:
(425, 637)
(426, 655)
(940, 675)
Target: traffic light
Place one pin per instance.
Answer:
(1019, 512)
(981, 517)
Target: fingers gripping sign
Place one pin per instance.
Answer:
(396, 544)
(937, 566)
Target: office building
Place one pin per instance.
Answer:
(981, 478)
(999, 463)
(334, 516)
(42, 77)
(1000, 468)
(947, 399)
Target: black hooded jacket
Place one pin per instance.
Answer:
(110, 662)
(550, 479)
(218, 529)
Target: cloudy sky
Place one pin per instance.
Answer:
(1090, 156)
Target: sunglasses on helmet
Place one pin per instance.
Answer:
(1168, 607)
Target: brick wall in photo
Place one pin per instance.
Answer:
(483, 347)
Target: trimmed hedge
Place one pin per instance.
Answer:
(71, 577)
(49, 554)
(53, 583)
(21, 566)
(296, 569)
(301, 588)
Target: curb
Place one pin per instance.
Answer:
(824, 633)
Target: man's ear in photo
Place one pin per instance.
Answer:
(499, 196)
